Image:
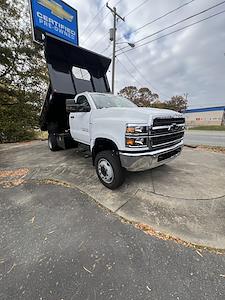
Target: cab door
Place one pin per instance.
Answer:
(80, 121)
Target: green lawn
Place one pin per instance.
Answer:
(212, 127)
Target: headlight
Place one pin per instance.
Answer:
(136, 142)
(136, 129)
(137, 135)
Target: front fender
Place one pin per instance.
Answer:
(107, 137)
(108, 128)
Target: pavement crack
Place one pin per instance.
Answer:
(123, 204)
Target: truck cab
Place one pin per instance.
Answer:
(122, 136)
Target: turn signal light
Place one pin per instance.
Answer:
(130, 142)
(136, 142)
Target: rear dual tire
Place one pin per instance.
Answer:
(109, 169)
(53, 142)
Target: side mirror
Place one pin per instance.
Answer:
(71, 106)
(83, 108)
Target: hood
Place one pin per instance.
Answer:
(137, 114)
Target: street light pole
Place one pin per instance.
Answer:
(115, 15)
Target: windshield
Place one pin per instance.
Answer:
(105, 101)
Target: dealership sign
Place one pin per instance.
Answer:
(56, 18)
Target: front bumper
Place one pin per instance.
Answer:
(149, 160)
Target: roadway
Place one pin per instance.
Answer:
(201, 137)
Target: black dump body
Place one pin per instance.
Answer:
(61, 58)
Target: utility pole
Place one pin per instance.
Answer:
(115, 15)
(186, 96)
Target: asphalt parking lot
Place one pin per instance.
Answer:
(184, 199)
(57, 244)
(63, 237)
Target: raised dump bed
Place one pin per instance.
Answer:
(72, 70)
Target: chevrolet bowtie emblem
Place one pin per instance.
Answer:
(56, 9)
(173, 127)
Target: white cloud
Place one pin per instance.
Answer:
(189, 61)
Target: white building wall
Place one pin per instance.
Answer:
(205, 118)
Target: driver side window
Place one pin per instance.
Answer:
(82, 100)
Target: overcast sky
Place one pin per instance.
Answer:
(191, 61)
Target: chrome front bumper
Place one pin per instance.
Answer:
(149, 160)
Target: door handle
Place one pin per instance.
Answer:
(72, 117)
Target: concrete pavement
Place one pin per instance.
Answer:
(203, 137)
(57, 244)
(184, 199)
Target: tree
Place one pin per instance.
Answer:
(23, 74)
(177, 103)
(145, 98)
(141, 97)
(130, 92)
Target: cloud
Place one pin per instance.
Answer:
(190, 61)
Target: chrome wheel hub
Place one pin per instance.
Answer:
(105, 170)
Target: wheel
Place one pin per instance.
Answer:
(52, 142)
(109, 170)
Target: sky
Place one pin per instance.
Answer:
(191, 61)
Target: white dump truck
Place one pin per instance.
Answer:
(119, 135)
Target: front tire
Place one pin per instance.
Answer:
(52, 142)
(109, 169)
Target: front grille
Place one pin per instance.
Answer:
(166, 138)
(167, 121)
(166, 132)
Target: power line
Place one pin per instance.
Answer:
(106, 48)
(91, 33)
(142, 75)
(128, 72)
(98, 13)
(98, 40)
(177, 30)
(118, 2)
(97, 25)
(181, 21)
(137, 7)
(131, 74)
(133, 10)
(161, 17)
